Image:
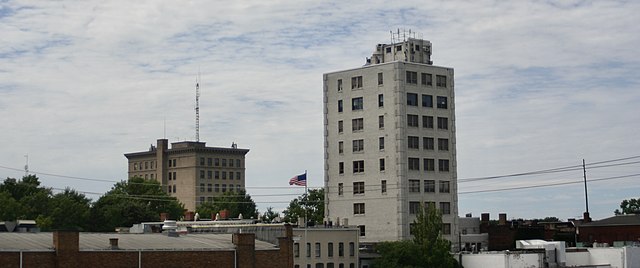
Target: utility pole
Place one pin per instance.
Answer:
(586, 196)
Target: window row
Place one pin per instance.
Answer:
(427, 101)
(358, 187)
(426, 79)
(357, 124)
(358, 167)
(427, 121)
(428, 164)
(413, 142)
(143, 165)
(445, 207)
(217, 187)
(216, 162)
(328, 265)
(215, 174)
(330, 247)
(429, 186)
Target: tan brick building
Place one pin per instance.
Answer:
(191, 171)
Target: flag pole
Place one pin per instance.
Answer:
(306, 221)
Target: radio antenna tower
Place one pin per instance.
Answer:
(198, 107)
(26, 166)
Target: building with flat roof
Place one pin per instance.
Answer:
(326, 247)
(390, 142)
(191, 171)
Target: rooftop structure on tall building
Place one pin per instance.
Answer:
(191, 171)
(394, 149)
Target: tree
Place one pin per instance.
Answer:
(631, 206)
(33, 198)
(238, 202)
(130, 202)
(312, 203)
(9, 207)
(68, 210)
(427, 249)
(269, 216)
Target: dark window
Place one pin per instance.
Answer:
(340, 188)
(427, 121)
(358, 208)
(358, 146)
(341, 168)
(381, 143)
(380, 100)
(443, 123)
(209, 174)
(238, 163)
(340, 147)
(414, 163)
(209, 161)
(380, 80)
(340, 126)
(224, 162)
(441, 81)
(381, 121)
(414, 186)
(381, 164)
(352, 246)
(443, 144)
(340, 249)
(357, 124)
(429, 186)
(362, 233)
(443, 165)
(412, 99)
(413, 142)
(308, 249)
(412, 120)
(383, 186)
(340, 106)
(358, 187)
(202, 161)
(427, 101)
(329, 250)
(216, 188)
(429, 164)
(296, 250)
(426, 79)
(442, 102)
(412, 77)
(202, 174)
(446, 229)
(216, 162)
(414, 207)
(445, 208)
(209, 187)
(356, 104)
(318, 250)
(356, 82)
(444, 187)
(216, 174)
(339, 84)
(358, 166)
(427, 143)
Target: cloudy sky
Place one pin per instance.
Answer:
(539, 85)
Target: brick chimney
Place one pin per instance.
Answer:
(586, 217)
(164, 216)
(502, 219)
(67, 247)
(246, 249)
(484, 218)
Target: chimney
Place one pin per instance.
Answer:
(468, 215)
(224, 214)
(113, 242)
(586, 217)
(164, 216)
(484, 217)
(189, 215)
(502, 219)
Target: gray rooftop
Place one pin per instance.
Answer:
(618, 220)
(100, 241)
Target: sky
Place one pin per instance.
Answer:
(539, 85)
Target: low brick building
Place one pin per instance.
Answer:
(73, 249)
(619, 228)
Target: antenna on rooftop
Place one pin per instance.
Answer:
(26, 166)
(198, 106)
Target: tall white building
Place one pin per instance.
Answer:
(390, 143)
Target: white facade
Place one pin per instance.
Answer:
(390, 143)
(325, 247)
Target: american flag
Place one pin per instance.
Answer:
(300, 180)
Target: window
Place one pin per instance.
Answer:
(231, 175)
(445, 208)
(174, 188)
(429, 164)
(442, 102)
(443, 165)
(414, 163)
(216, 162)
(358, 187)
(230, 187)
(201, 161)
(358, 208)
(427, 143)
(169, 175)
(319, 265)
(426, 79)
(427, 101)
(224, 162)
(383, 186)
(216, 174)
(414, 207)
(380, 100)
(356, 104)
(340, 189)
(224, 175)
(443, 144)
(340, 249)
(412, 120)
(318, 250)
(174, 163)
(329, 250)
(381, 164)
(201, 199)
(381, 143)
(444, 187)
(446, 228)
(357, 124)
(356, 82)
(296, 250)
(341, 168)
(380, 81)
(340, 106)
(441, 81)
(308, 250)
(413, 142)
(238, 163)
(202, 174)
(216, 188)
(238, 176)
(427, 121)
(443, 123)
(381, 121)
(231, 162)
(358, 166)
(362, 233)
(358, 146)
(174, 176)
(352, 246)
(412, 99)
(339, 84)
(209, 174)
(224, 188)
(429, 205)
(340, 126)
(429, 186)
(412, 77)
(414, 186)
(238, 187)
(209, 187)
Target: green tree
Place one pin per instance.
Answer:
(69, 210)
(427, 249)
(130, 202)
(269, 216)
(33, 199)
(236, 202)
(9, 207)
(312, 203)
(631, 206)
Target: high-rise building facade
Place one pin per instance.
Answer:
(191, 171)
(390, 143)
